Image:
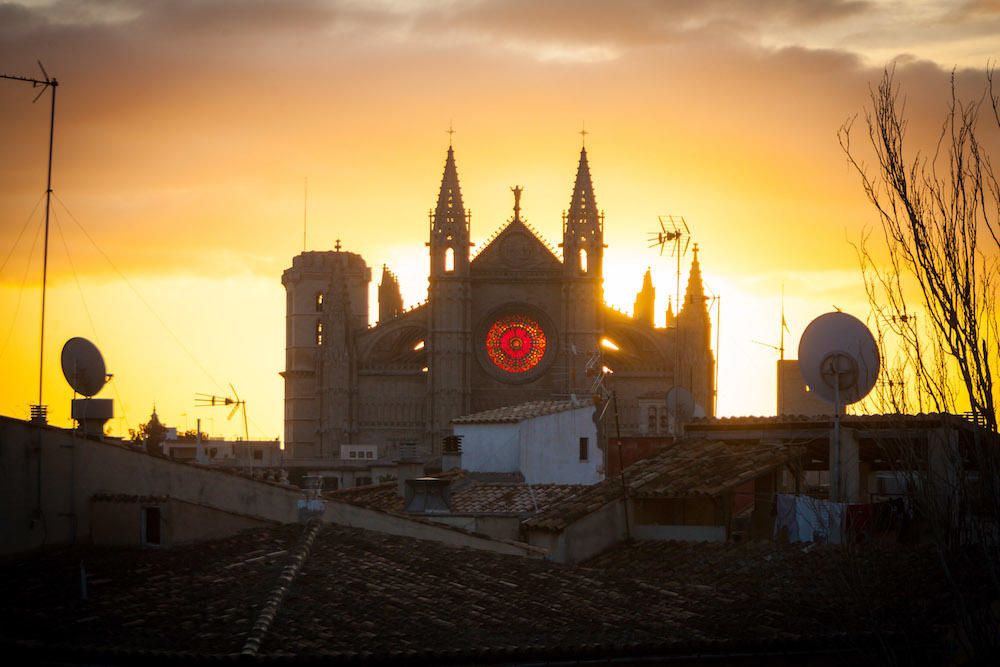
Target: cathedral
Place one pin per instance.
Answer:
(514, 321)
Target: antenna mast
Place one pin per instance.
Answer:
(305, 213)
(39, 411)
(673, 228)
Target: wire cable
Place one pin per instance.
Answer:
(20, 293)
(86, 308)
(141, 298)
(23, 227)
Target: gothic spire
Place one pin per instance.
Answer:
(450, 212)
(582, 206)
(643, 311)
(695, 293)
(390, 301)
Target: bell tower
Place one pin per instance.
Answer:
(583, 278)
(449, 336)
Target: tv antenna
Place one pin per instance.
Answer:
(674, 232)
(39, 412)
(211, 401)
(840, 362)
(780, 347)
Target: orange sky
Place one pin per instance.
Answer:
(185, 131)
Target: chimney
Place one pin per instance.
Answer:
(427, 495)
(407, 467)
(451, 453)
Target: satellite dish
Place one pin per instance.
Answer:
(838, 358)
(681, 406)
(83, 366)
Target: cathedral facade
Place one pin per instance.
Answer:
(515, 321)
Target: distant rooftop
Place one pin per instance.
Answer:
(471, 493)
(686, 469)
(512, 414)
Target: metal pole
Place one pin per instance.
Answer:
(45, 255)
(718, 352)
(835, 490)
(621, 464)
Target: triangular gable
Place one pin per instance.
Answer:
(516, 247)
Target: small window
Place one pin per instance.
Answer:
(369, 455)
(354, 455)
(584, 449)
(651, 419)
(663, 420)
(319, 302)
(319, 333)
(449, 260)
(151, 526)
(583, 260)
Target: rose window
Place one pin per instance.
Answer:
(515, 344)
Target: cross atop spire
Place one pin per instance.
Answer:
(450, 131)
(583, 135)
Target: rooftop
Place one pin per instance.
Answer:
(470, 493)
(512, 414)
(369, 596)
(685, 469)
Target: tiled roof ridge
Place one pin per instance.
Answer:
(270, 609)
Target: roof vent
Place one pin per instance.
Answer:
(427, 495)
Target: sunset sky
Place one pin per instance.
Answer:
(185, 132)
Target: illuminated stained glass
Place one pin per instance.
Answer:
(515, 344)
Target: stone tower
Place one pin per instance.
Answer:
(696, 369)
(643, 311)
(449, 335)
(308, 329)
(583, 282)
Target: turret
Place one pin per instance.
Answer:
(583, 278)
(309, 283)
(583, 226)
(449, 335)
(449, 238)
(696, 372)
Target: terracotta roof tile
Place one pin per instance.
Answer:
(376, 597)
(688, 468)
(469, 495)
(512, 414)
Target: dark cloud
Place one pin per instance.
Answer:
(629, 22)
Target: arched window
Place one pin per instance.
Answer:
(319, 302)
(651, 419)
(319, 333)
(583, 260)
(449, 260)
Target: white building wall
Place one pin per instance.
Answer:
(546, 450)
(550, 448)
(489, 447)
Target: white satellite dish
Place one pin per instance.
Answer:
(838, 358)
(840, 362)
(681, 407)
(83, 366)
